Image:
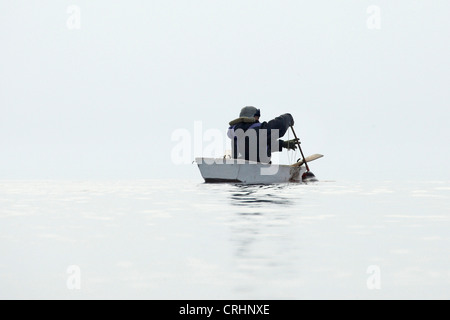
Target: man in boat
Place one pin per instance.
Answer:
(255, 141)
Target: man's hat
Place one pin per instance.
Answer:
(247, 115)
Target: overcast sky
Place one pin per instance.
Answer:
(95, 89)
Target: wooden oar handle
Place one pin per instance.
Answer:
(300, 148)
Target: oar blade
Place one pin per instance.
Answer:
(308, 159)
(308, 176)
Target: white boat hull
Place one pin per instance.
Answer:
(249, 172)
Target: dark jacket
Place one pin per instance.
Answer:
(243, 134)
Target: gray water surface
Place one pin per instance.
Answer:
(172, 239)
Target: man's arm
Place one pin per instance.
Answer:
(282, 123)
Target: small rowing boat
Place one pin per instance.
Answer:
(215, 170)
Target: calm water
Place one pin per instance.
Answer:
(189, 240)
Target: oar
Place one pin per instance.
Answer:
(308, 175)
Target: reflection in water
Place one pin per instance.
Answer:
(258, 195)
(261, 232)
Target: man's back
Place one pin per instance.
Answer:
(252, 140)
